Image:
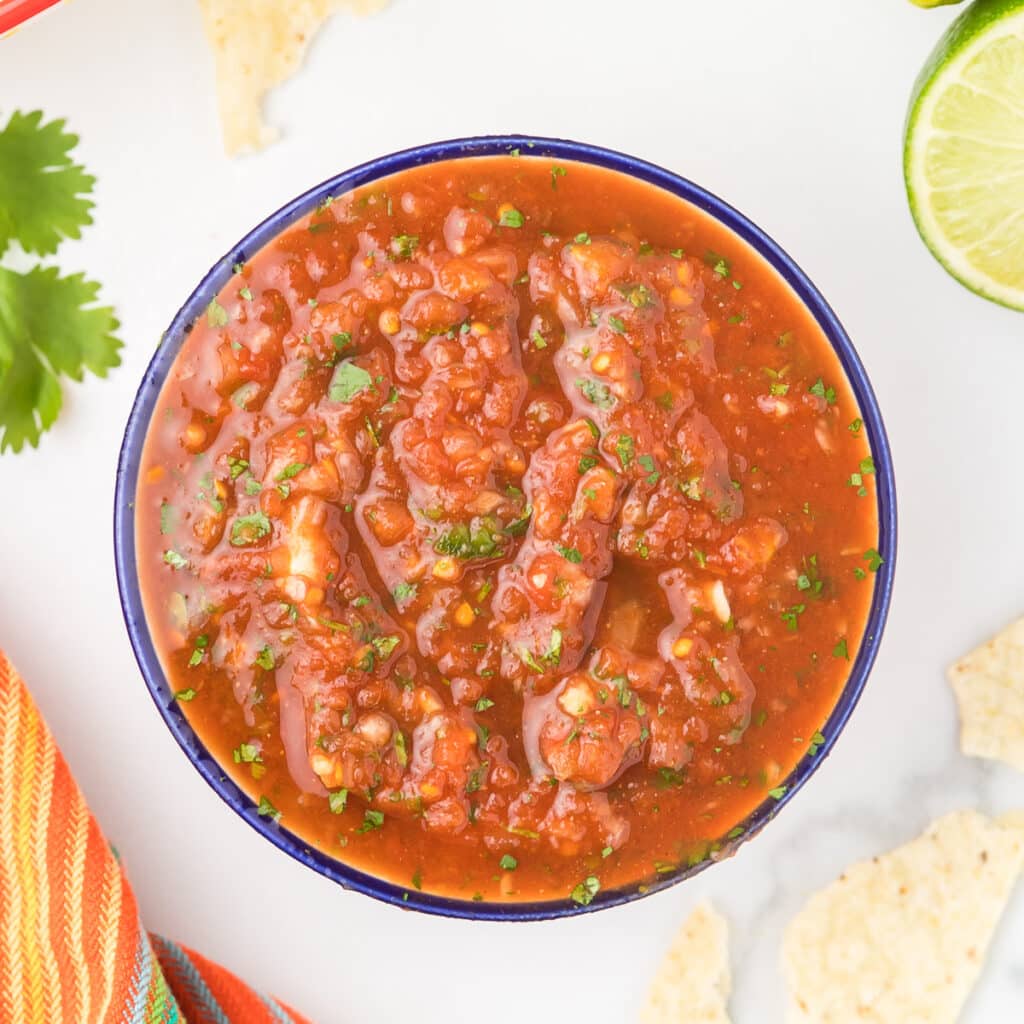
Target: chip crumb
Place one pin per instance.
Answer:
(693, 982)
(257, 44)
(989, 688)
(903, 937)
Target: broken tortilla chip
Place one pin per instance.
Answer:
(257, 44)
(903, 937)
(989, 688)
(693, 982)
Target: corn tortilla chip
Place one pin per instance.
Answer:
(257, 44)
(989, 688)
(693, 982)
(901, 939)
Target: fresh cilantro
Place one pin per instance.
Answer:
(792, 616)
(463, 542)
(371, 820)
(508, 863)
(267, 810)
(42, 190)
(854, 427)
(403, 246)
(582, 238)
(250, 529)
(185, 695)
(874, 560)
(236, 466)
(348, 381)
(246, 753)
(337, 801)
(216, 314)
(166, 517)
(518, 525)
(174, 560)
(484, 703)
(291, 470)
(584, 893)
(625, 448)
(385, 645)
(538, 340)
(341, 340)
(511, 218)
(778, 792)
(265, 658)
(816, 741)
(617, 324)
(401, 751)
(668, 777)
(818, 388)
(570, 554)
(553, 655)
(841, 650)
(404, 591)
(50, 326)
(556, 173)
(201, 643)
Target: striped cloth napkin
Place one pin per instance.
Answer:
(72, 946)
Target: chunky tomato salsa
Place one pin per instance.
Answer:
(507, 529)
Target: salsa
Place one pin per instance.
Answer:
(507, 529)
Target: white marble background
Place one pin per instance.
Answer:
(792, 111)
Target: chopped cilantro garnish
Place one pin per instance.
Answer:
(463, 542)
(291, 470)
(249, 529)
(854, 427)
(236, 467)
(596, 392)
(337, 801)
(216, 314)
(267, 810)
(265, 658)
(166, 517)
(874, 560)
(511, 218)
(174, 560)
(582, 238)
(484, 703)
(404, 591)
(556, 173)
(518, 525)
(584, 893)
(792, 616)
(185, 695)
(778, 792)
(625, 448)
(371, 820)
(348, 381)
(553, 655)
(818, 388)
(341, 340)
(385, 645)
(246, 753)
(403, 246)
(616, 323)
(570, 554)
(508, 863)
(841, 650)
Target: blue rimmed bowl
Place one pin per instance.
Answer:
(195, 306)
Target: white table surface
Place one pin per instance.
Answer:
(793, 112)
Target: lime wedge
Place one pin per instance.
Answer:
(963, 157)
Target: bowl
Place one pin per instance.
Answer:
(153, 380)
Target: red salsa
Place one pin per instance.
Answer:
(507, 529)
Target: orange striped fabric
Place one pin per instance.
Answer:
(72, 945)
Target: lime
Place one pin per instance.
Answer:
(934, 3)
(963, 157)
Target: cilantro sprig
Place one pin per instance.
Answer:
(51, 326)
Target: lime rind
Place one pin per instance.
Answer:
(964, 152)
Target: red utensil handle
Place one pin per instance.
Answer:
(16, 12)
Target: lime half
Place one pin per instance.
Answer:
(963, 157)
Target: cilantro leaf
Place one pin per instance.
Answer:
(42, 190)
(49, 326)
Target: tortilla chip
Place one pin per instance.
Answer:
(989, 688)
(693, 982)
(902, 937)
(257, 44)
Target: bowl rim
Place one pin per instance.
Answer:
(527, 147)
